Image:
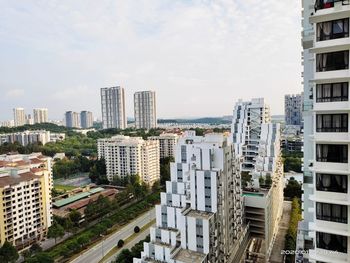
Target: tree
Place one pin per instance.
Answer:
(136, 229)
(75, 217)
(8, 253)
(293, 189)
(120, 243)
(35, 248)
(268, 180)
(42, 257)
(83, 239)
(55, 231)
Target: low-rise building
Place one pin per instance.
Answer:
(26, 137)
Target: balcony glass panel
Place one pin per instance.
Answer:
(332, 122)
(333, 29)
(332, 212)
(332, 183)
(334, 153)
(332, 61)
(331, 242)
(332, 92)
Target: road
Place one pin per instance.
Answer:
(130, 244)
(96, 253)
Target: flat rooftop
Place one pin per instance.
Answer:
(188, 256)
(199, 214)
(74, 198)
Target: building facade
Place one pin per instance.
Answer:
(199, 218)
(25, 198)
(125, 156)
(41, 115)
(325, 229)
(26, 137)
(145, 110)
(19, 116)
(293, 109)
(247, 119)
(86, 119)
(167, 144)
(72, 119)
(113, 108)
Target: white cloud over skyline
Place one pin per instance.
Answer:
(199, 56)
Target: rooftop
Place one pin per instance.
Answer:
(199, 214)
(13, 180)
(188, 256)
(74, 198)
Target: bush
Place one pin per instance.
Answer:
(120, 243)
(136, 229)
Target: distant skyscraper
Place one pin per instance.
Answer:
(72, 119)
(86, 119)
(145, 109)
(40, 115)
(19, 116)
(293, 109)
(113, 108)
(29, 119)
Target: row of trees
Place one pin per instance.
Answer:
(291, 236)
(292, 161)
(126, 255)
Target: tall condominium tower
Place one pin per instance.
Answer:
(72, 119)
(25, 198)
(113, 108)
(246, 129)
(326, 45)
(19, 116)
(199, 218)
(86, 119)
(125, 156)
(145, 109)
(167, 144)
(41, 115)
(293, 109)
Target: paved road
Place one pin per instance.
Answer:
(95, 254)
(129, 245)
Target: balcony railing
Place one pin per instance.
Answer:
(332, 129)
(323, 4)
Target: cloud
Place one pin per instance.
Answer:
(15, 93)
(200, 55)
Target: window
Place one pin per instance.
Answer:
(332, 212)
(333, 29)
(332, 122)
(332, 92)
(332, 242)
(332, 61)
(335, 153)
(332, 183)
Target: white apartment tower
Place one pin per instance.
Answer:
(248, 117)
(19, 116)
(41, 115)
(145, 110)
(72, 119)
(113, 108)
(326, 196)
(125, 156)
(86, 119)
(199, 218)
(167, 144)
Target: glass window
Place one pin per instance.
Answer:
(332, 242)
(332, 61)
(331, 92)
(332, 29)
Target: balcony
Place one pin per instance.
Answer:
(327, 10)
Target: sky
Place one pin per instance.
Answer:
(200, 56)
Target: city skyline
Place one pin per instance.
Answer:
(148, 51)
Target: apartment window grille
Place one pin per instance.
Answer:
(332, 212)
(335, 153)
(331, 242)
(332, 61)
(332, 122)
(332, 92)
(332, 29)
(332, 183)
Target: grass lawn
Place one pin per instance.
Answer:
(60, 187)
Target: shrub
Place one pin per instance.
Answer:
(136, 229)
(120, 243)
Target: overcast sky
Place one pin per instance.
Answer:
(199, 56)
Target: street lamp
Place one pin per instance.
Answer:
(102, 245)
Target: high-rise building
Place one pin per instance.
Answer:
(293, 109)
(167, 144)
(19, 116)
(199, 218)
(41, 115)
(125, 156)
(25, 198)
(248, 117)
(113, 108)
(145, 110)
(86, 119)
(72, 119)
(325, 229)
(29, 119)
